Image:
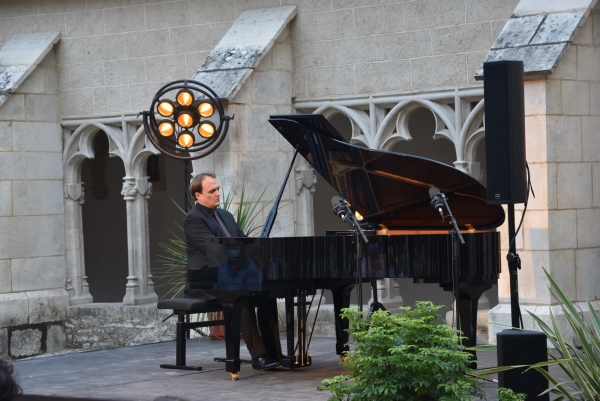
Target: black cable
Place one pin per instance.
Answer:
(529, 189)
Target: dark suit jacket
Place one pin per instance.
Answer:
(197, 226)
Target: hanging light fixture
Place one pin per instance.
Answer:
(183, 104)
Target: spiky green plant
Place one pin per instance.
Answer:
(581, 362)
(247, 213)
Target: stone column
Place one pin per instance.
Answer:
(305, 179)
(388, 293)
(139, 288)
(77, 286)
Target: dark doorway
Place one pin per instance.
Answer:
(421, 126)
(165, 218)
(104, 224)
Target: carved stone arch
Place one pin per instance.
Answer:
(394, 127)
(80, 146)
(472, 143)
(472, 129)
(472, 133)
(361, 134)
(139, 151)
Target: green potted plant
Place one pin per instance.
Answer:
(407, 356)
(581, 361)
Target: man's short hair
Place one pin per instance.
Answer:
(196, 183)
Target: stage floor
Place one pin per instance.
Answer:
(133, 373)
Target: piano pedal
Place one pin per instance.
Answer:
(234, 376)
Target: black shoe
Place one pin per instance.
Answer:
(264, 363)
(279, 357)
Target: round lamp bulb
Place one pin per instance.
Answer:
(186, 139)
(166, 128)
(165, 109)
(185, 98)
(185, 120)
(206, 130)
(206, 109)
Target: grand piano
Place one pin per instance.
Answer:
(407, 238)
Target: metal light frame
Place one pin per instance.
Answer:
(169, 145)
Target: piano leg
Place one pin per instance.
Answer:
(296, 323)
(466, 307)
(341, 299)
(467, 314)
(289, 330)
(233, 318)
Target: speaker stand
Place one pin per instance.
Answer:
(375, 305)
(514, 264)
(520, 347)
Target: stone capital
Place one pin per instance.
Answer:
(74, 192)
(305, 178)
(133, 186)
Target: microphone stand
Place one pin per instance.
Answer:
(375, 305)
(456, 235)
(454, 225)
(350, 219)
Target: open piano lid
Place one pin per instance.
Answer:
(388, 188)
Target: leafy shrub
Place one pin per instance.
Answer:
(409, 356)
(506, 394)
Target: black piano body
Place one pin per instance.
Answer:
(390, 191)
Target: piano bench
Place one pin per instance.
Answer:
(183, 307)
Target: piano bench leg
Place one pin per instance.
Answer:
(180, 367)
(180, 338)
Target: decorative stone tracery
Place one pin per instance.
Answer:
(127, 141)
(381, 122)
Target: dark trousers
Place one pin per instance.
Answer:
(260, 327)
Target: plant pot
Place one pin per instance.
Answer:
(216, 332)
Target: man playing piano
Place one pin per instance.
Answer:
(206, 220)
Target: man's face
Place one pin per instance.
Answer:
(211, 193)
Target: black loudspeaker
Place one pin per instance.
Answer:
(523, 347)
(504, 132)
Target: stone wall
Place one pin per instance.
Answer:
(359, 48)
(560, 232)
(254, 153)
(113, 325)
(32, 245)
(113, 56)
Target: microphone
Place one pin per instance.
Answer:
(436, 200)
(339, 207)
